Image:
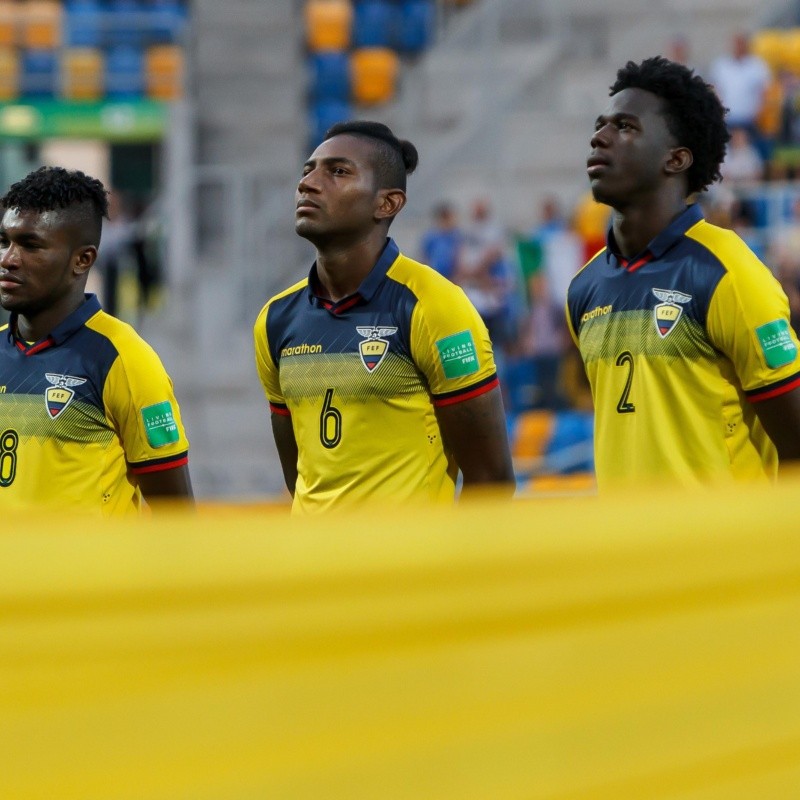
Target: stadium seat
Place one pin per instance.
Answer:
(375, 23)
(165, 21)
(40, 27)
(124, 73)
(374, 73)
(325, 113)
(9, 17)
(416, 25)
(163, 67)
(330, 76)
(328, 24)
(83, 25)
(124, 23)
(530, 437)
(791, 51)
(9, 74)
(38, 74)
(82, 72)
(569, 448)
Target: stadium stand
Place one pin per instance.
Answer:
(88, 50)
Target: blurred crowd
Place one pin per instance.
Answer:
(518, 279)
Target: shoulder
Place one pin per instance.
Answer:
(131, 349)
(427, 285)
(725, 247)
(280, 299)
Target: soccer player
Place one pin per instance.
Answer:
(683, 332)
(378, 371)
(88, 419)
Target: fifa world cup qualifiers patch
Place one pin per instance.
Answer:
(458, 355)
(160, 425)
(776, 343)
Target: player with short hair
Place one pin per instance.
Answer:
(378, 371)
(684, 333)
(88, 418)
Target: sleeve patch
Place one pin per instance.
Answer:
(160, 425)
(776, 343)
(458, 354)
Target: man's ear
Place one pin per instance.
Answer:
(389, 203)
(83, 258)
(679, 160)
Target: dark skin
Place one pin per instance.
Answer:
(346, 216)
(637, 167)
(45, 258)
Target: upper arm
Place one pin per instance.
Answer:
(780, 417)
(168, 484)
(285, 441)
(474, 430)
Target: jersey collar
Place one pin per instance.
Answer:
(668, 238)
(368, 287)
(74, 322)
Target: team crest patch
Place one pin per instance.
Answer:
(374, 347)
(669, 310)
(60, 394)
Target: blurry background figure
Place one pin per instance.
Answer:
(591, 221)
(484, 274)
(742, 170)
(441, 243)
(128, 259)
(544, 338)
(741, 79)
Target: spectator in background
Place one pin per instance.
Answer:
(741, 80)
(441, 244)
(484, 275)
(114, 258)
(545, 336)
(591, 221)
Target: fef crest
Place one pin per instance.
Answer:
(669, 310)
(374, 347)
(58, 396)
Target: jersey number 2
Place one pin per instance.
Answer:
(624, 406)
(8, 456)
(330, 422)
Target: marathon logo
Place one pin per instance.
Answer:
(301, 350)
(600, 311)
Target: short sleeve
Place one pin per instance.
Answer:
(266, 367)
(748, 320)
(140, 402)
(450, 345)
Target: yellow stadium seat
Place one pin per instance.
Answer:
(9, 19)
(532, 432)
(41, 24)
(328, 24)
(577, 483)
(374, 73)
(82, 71)
(791, 51)
(163, 67)
(9, 74)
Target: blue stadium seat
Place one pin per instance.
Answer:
(124, 73)
(572, 428)
(330, 76)
(83, 23)
(416, 25)
(124, 23)
(38, 74)
(375, 23)
(325, 113)
(166, 21)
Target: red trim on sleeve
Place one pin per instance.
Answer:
(161, 466)
(282, 410)
(774, 392)
(468, 394)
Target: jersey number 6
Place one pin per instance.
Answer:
(330, 423)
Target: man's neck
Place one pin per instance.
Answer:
(341, 270)
(33, 327)
(636, 226)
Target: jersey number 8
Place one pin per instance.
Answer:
(8, 456)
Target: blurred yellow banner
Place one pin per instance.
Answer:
(642, 647)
